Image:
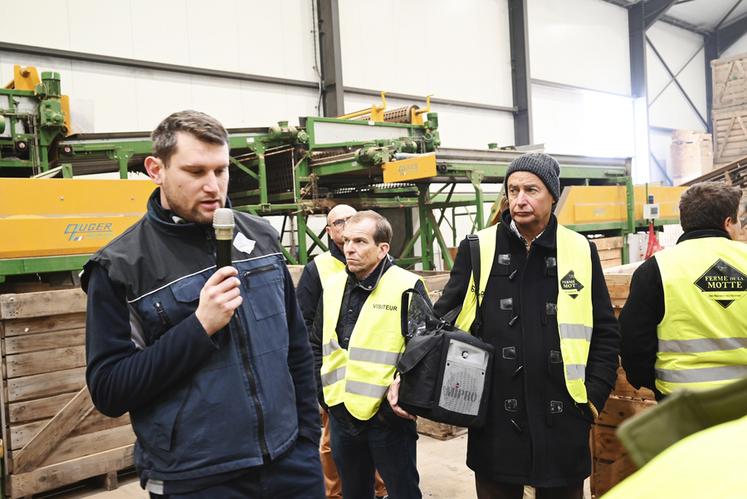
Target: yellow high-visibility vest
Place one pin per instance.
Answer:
(703, 335)
(575, 311)
(327, 265)
(359, 376)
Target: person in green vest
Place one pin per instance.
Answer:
(357, 340)
(684, 324)
(545, 308)
(309, 293)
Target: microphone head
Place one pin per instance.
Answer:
(223, 223)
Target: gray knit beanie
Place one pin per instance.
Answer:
(543, 165)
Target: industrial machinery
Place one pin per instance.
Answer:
(375, 158)
(34, 115)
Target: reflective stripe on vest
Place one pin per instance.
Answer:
(575, 314)
(703, 335)
(327, 265)
(359, 377)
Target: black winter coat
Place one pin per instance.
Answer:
(535, 433)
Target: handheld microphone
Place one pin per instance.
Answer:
(223, 224)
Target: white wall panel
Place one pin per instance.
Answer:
(739, 48)
(580, 42)
(458, 126)
(159, 32)
(213, 34)
(110, 90)
(264, 105)
(102, 27)
(571, 121)
(453, 50)
(105, 98)
(43, 23)
(660, 142)
(267, 38)
(676, 46)
(158, 94)
(276, 38)
(221, 97)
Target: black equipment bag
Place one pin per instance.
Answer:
(445, 372)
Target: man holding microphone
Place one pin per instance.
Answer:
(213, 364)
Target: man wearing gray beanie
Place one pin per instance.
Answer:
(545, 308)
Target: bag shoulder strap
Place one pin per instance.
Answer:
(474, 254)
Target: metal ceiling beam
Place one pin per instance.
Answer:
(637, 44)
(710, 44)
(627, 4)
(654, 9)
(728, 34)
(333, 93)
(641, 16)
(520, 74)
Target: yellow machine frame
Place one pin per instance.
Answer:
(52, 217)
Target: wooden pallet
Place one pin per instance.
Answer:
(729, 82)
(53, 435)
(729, 135)
(440, 431)
(610, 250)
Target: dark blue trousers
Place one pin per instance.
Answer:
(386, 445)
(296, 475)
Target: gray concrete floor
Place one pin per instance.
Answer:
(443, 474)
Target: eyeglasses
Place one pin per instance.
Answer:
(340, 222)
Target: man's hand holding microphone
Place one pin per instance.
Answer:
(221, 294)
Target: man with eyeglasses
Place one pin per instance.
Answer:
(309, 293)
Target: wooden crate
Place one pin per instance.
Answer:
(610, 250)
(440, 431)
(618, 284)
(729, 82)
(610, 461)
(729, 135)
(53, 436)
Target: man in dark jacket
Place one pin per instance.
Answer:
(546, 310)
(699, 339)
(213, 365)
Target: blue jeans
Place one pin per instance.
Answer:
(295, 475)
(386, 445)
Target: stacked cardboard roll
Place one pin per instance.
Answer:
(691, 155)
